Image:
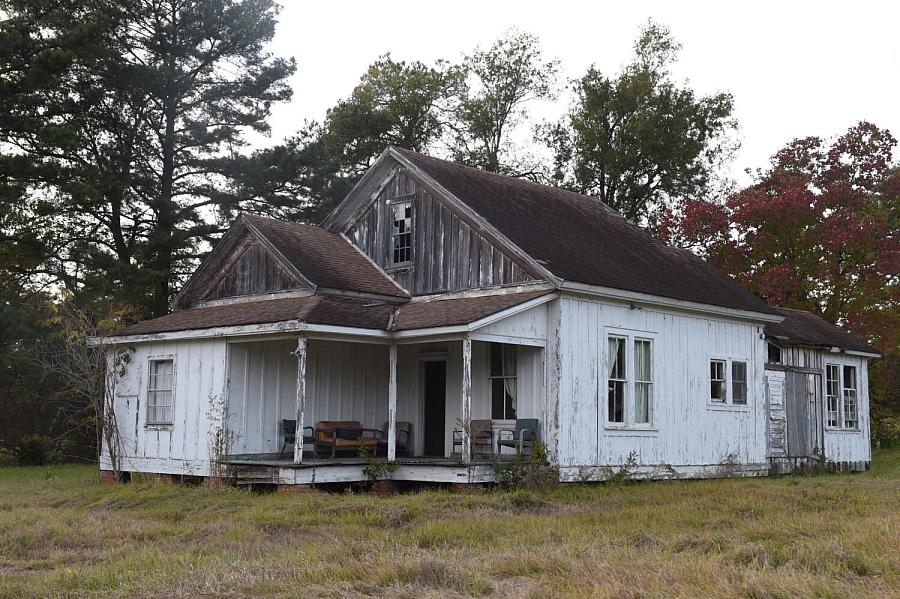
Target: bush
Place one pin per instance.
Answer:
(8, 457)
(885, 430)
(37, 450)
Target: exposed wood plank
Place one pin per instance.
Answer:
(392, 404)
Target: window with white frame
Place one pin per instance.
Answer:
(504, 384)
(774, 353)
(738, 383)
(629, 397)
(643, 380)
(617, 381)
(161, 392)
(851, 416)
(717, 381)
(832, 396)
(401, 232)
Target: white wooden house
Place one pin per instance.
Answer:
(438, 306)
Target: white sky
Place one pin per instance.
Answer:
(795, 68)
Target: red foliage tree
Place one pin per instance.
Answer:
(819, 230)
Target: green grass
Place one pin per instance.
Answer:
(62, 534)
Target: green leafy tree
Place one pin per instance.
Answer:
(121, 125)
(500, 82)
(637, 140)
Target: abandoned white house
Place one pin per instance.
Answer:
(442, 315)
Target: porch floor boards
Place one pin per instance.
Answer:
(310, 462)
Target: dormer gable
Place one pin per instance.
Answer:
(243, 263)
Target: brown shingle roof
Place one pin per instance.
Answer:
(326, 310)
(312, 309)
(325, 258)
(578, 238)
(805, 328)
(448, 312)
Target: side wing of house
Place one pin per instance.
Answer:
(424, 242)
(673, 393)
(170, 401)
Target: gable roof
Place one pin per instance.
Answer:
(800, 327)
(324, 310)
(316, 258)
(326, 259)
(578, 238)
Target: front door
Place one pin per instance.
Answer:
(435, 407)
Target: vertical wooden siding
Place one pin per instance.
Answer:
(184, 447)
(447, 254)
(255, 270)
(687, 430)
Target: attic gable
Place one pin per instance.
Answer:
(242, 263)
(427, 242)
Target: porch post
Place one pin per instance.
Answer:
(392, 405)
(467, 399)
(301, 398)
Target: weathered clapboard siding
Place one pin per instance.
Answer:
(199, 399)
(687, 430)
(253, 270)
(447, 254)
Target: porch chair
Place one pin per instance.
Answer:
(289, 430)
(482, 437)
(344, 435)
(524, 436)
(404, 435)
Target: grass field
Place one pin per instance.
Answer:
(62, 534)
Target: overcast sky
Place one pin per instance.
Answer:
(795, 68)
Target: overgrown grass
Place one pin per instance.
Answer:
(62, 534)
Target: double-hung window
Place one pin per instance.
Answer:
(851, 408)
(401, 232)
(161, 392)
(629, 394)
(643, 380)
(832, 396)
(738, 383)
(728, 382)
(841, 400)
(504, 384)
(617, 381)
(717, 381)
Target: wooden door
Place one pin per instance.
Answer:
(803, 414)
(435, 408)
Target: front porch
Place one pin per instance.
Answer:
(437, 407)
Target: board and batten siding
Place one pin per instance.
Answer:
(688, 433)
(199, 398)
(344, 381)
(840, 446)
(447, 254)
(849, 446)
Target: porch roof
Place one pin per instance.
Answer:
(325, 310)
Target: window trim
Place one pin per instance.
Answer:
(745, 381)
(727, 404)
(503, 377)
(842, 425)
(723, 381)
(844, 389)
(407, 200)
(147, 390)
(839, 399)
(629, 425)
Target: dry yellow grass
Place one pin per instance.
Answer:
(61, 534)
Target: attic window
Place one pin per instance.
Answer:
(401, 232)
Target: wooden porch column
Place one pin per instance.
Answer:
(466, 399)
(301, 398)
(392, 405)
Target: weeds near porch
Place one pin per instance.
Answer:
(535, 472)
(376, 469)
